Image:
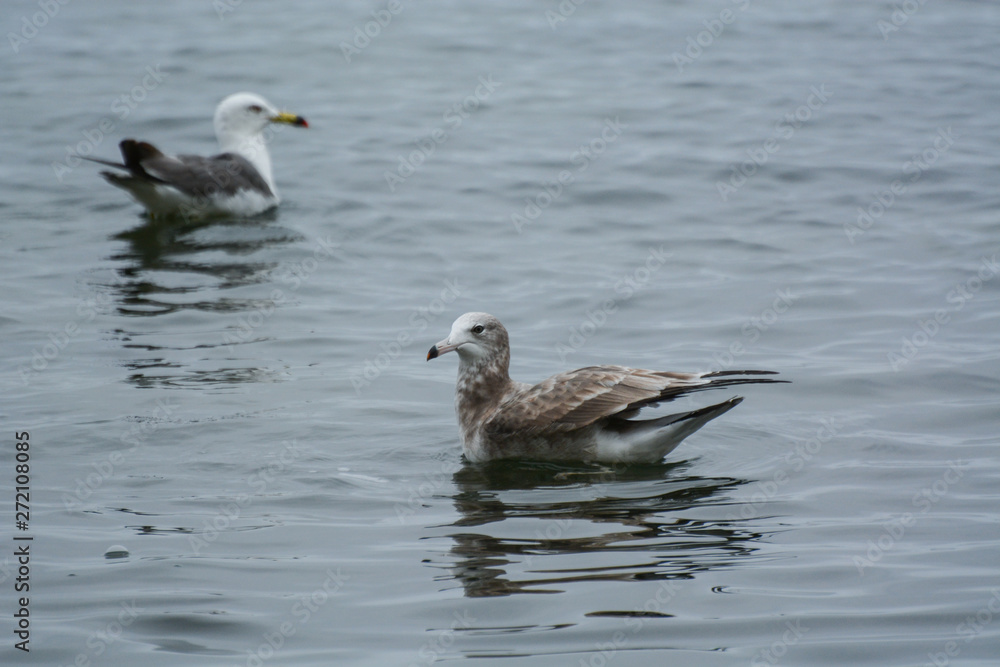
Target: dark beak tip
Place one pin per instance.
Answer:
(301, 122)
(432, 353)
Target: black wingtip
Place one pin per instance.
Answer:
(712, 411)
(715, 410)
(749, 372)
(744, 380)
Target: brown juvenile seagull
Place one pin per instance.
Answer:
(581, 415)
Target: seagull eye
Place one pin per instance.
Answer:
(256, 108)
(478, 329)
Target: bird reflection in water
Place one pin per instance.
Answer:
(156, 249)
(168, 266)
(552, 525)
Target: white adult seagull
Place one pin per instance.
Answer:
(581, 415)
(237, 181)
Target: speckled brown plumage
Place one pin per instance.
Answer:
(583, 414)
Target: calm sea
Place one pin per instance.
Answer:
(237, 454)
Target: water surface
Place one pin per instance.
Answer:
(244, 406)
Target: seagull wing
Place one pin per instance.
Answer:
(575, 399)
(194, 175)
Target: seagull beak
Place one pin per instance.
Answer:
(289, 119)
(441, 348)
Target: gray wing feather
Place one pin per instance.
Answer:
(573, 400)
(198, 176)
(194, 175)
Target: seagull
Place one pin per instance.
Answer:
(581, 415)
(237, 181)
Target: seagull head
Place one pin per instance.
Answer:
(242, 117)
(477, 337)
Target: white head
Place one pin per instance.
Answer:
(240, 121)
(478, 338)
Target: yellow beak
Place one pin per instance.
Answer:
(289, 119)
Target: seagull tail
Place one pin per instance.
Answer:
(133, 154)
(650, 440)
(106, 163)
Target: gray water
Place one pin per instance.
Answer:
(242, 410)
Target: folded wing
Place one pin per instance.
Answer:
(579, 398)
(225, 174)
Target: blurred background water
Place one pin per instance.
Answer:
(243, 406)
